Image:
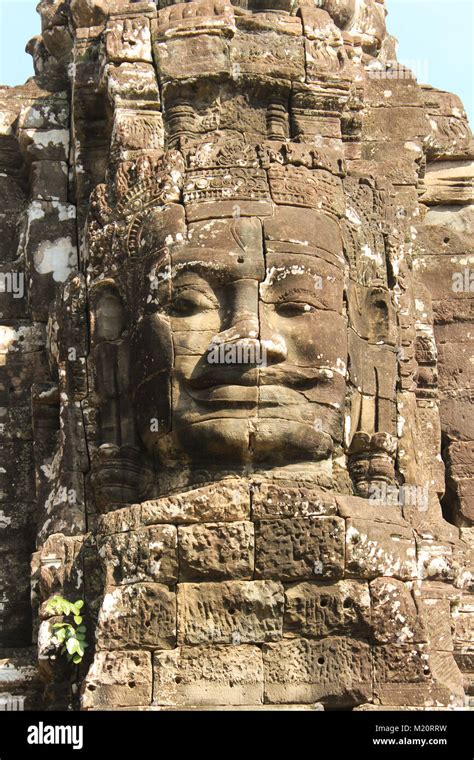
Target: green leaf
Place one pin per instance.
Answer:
(72, 639)
(77, 606)
(71, 645)
(54, 605)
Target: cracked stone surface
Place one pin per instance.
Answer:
(236, 362)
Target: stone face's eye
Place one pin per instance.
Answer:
(294, 308)
(188, 301)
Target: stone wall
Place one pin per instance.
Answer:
(277, 581)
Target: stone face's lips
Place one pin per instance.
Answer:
(269, 394)
(228, 394)
(292, 377)
(209, 380)
(299, 378)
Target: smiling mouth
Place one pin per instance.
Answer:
(264, 395)
(294, 379)
(225, 394)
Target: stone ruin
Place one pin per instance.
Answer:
(288, 523)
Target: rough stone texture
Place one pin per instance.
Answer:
(137, 616)
(216, 551)
(395, 617)
(230, 612)
(410, 675)
(338, 609)
(271, 500)
(300, 548)
(149, 554)
(19, 679)
(236, 281)
(374, 549)
(118, 679)
(216, 675)
(335, 671)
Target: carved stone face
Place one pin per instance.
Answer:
(240, 343)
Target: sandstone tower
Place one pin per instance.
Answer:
(237, 384)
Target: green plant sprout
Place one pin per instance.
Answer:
(71, 638)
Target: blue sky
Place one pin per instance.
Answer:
(436, 40)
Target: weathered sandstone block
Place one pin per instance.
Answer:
(216, 551)
(335, 671)
(149, 554)
(395, 617)
(327, 609)
(138, 616)
(299, 548)
(215, 675)
(118, 679)
(374, 549)
(230, 612)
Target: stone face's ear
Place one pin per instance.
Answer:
(110, 351)
(107, 313)
(151, 357)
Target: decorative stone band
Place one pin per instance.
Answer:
(117, 474)
(299, 186)
(234, 183)
(217, 169)
(185, 19)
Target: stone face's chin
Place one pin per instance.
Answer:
(252, 441)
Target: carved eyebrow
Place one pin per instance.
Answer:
(311, 250)
(210, 272)
(296, 293)
(276, 274)
(197, 265)
(219, 270)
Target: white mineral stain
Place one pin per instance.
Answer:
(352, 216)
(57, 257)
(4, 520)
(52, 137)
(7, 338)
(109, 604)
(35, 211)
(65, 211)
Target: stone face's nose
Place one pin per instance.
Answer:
(240, 317)
(274, 348)
(243, 329)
